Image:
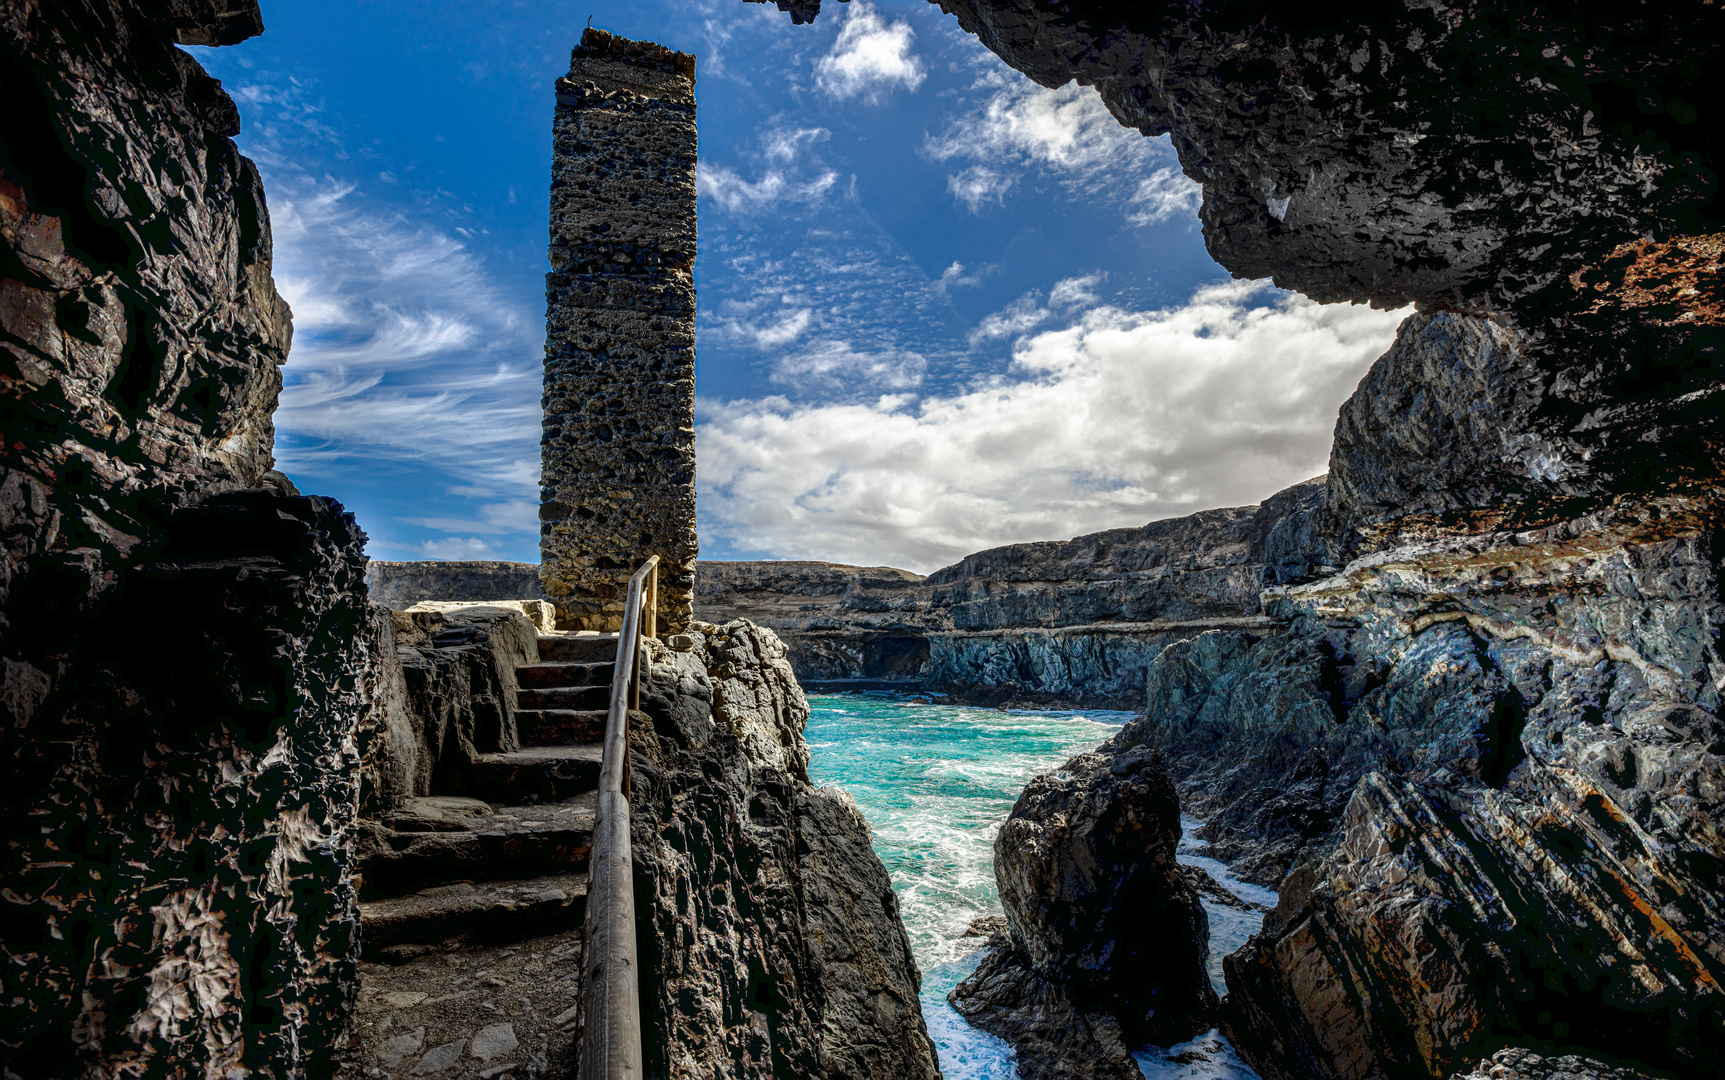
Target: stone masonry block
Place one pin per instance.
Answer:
(618, 449)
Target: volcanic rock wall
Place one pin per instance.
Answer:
(183, 635)
(618, 453)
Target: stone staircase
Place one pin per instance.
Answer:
(472, 904)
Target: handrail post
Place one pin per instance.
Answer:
(611, 1032)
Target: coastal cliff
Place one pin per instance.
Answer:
(1481, 758)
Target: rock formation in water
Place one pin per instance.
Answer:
(1105, 943)
(1486, 748)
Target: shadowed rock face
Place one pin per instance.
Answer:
(1107, 941)
(183, 637)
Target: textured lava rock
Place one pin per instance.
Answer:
(182, 898)
(1107, 940)
(775, 946)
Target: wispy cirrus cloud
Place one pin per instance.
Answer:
(404, 349)
(1108, 417)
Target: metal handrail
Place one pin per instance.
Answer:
(611, 1030)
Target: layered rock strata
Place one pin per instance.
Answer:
(617, 473)
(400, 585)
(1485, 750)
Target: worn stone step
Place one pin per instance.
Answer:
(565, 673)
(560, 727)
(447, 838)
(586, 645)
(566, 697)
(539, 774)
(474, 911)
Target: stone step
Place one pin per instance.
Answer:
(474, 911)
(440, 839)
(541, 774)
(566, 697)
(565, 673)
(560, 727)
(585, 645)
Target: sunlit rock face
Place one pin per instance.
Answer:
(1485, 748)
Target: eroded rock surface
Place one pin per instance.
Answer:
(776, 947)
(184, 657)
(1106, 941)
(1486, 742)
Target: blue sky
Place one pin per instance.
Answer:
(941, 308)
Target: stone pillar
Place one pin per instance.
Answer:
(617, 480)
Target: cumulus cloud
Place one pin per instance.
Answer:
(1113, 419)
(1068, 133)
(870, 57)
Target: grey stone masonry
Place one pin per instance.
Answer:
(618, 452)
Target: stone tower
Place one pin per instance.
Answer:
(617, 480)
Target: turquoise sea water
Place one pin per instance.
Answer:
(935, 782)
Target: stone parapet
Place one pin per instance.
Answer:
(618, 451)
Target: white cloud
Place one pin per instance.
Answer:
(1021, 315)
(977, 185)
(836, 365)
(457, 547)
(1076, 291)
(1114, 419)
(787, 144)
(1067, 132)
(954, 277)
(516, 515)
(869, 58)
(1162, 195)
(727, 188)
(404, 349)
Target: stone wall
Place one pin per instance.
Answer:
(400, 585)
(618, 455)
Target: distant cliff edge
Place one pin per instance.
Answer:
(1062, 623)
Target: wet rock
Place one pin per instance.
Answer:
(1105, 931)
(1051, 1036)
(1520, 1063)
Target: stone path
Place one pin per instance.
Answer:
(472, 907)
